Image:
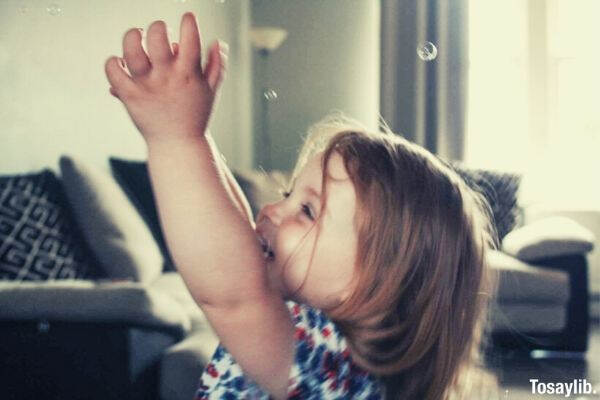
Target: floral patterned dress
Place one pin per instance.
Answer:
(322, 367)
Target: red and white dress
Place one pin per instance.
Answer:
(322, 369)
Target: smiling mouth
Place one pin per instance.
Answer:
(266, 248)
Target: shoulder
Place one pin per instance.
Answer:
(323, 364)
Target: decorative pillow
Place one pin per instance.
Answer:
(500, 190)
(262, 188)
(133, 178)
(39, 239)
(114, 230)
(259, 188)
(548, 237)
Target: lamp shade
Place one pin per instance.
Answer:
(267, 38)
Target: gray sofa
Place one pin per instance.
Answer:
(135, 332)
(543, 296)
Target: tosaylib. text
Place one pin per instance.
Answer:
(577, 386)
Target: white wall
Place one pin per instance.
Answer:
(55, 98)
(329, 61)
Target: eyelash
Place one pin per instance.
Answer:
(307, 211)
(305, 208)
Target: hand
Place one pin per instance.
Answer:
(166, 92)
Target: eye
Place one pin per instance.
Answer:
(307, 211)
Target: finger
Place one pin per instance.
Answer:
(216, 64)
(159, 48)
(135, 57)
(175, 48)
(189, 41)
(120, 82)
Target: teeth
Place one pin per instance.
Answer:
(263, 242)
(267, 252)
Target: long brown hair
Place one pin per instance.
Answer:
(417, 315)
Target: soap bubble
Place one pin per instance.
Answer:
(427, 51)
(270, 94)
(54, 9)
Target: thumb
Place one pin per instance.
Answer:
(216, 64)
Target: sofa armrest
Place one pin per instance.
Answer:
(121, 302)
(548, 237)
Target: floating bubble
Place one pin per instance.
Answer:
(427, 51)
(270, 94)
(54, 9)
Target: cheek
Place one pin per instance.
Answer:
(293, 251)
(336, 258)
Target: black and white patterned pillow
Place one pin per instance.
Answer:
(38, 237)
(500, 190)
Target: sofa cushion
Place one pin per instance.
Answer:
(258, 187)
(103, 301)
(522, 283)
(528, 318)
(38, 237)
(548, 237)
(261, 187)
(133, 178)
(114, 230)
(183, 364)
(172, 284)
(500, 189)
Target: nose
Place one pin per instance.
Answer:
(273, 212)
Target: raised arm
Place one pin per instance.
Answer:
(233, 188)
(207, 223)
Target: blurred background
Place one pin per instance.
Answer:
(513, 84)
(510, 86)
(55, 96)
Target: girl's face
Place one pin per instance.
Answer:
(309, 244)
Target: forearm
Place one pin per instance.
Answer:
(213, 244)
(233, 187)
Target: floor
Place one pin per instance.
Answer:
(514, 374)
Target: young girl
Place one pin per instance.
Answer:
(366, 280)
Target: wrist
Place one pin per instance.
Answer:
(174, 143)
